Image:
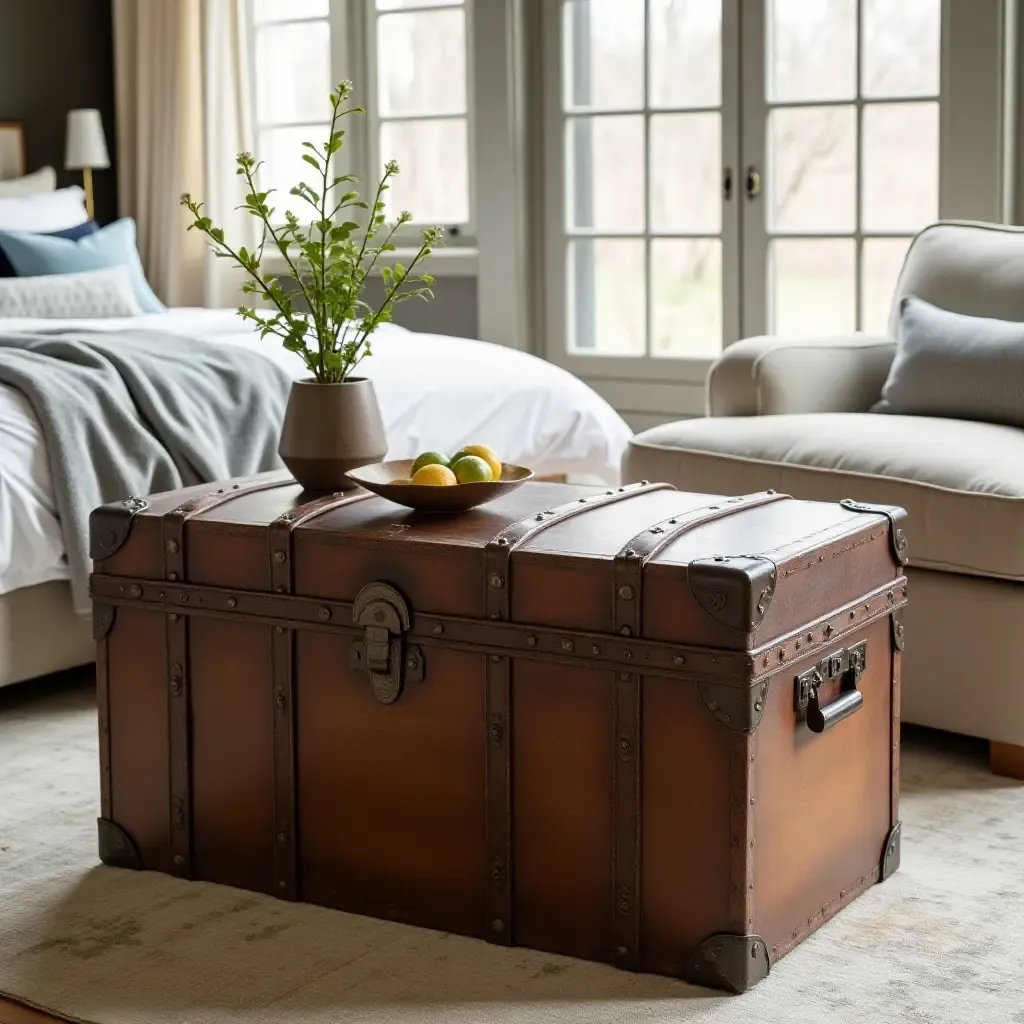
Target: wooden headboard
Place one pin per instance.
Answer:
(12, 150)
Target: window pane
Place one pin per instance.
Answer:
(881, 263)
(812, 49)
(607, 297)
(686, 293)
(812, 286)
(901, 47)
(293, 72)
(604, 53)
(282, 10)
(605, 166)
(813, 178)
(399, 5)
(434, 179)
(686, 172)
(281, 150)
(422, 63)
(901, 166)
(685, 53)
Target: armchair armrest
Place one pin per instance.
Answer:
(770, 375)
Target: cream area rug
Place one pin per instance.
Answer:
(941, 941)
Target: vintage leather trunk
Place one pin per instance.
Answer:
(639, 726)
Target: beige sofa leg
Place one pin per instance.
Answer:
(1006, 759)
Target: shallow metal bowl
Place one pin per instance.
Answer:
(391, 480)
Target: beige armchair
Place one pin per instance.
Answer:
(795, 415)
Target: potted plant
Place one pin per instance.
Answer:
(333, 422)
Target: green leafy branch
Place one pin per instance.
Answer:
(323, 316)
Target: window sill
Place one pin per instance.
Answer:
(454, 262)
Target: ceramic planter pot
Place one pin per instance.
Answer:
(329, 429)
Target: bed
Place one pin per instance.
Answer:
(434, 391)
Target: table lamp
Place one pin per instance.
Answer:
(86, 148)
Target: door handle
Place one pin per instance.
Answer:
(752, 182)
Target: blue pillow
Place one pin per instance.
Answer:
(112, 246)
(90, 227)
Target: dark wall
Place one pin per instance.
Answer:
(56, 56)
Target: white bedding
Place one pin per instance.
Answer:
(434, 391)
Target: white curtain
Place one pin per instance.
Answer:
(183, 112)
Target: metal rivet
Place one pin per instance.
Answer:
(172, 546)
(567, 645)
(279, 701)
(782, 654)
(497, 925)
(136, 591)
(583, 501)
(755, 948)
(278, 590)
(628, 655)
(411, 662)
(438, 629)
(234, 487)
(595, 649)
(172, 576)
(173, 616)
(176, 685)
(378, 616)
(323, 614)
(282, 838)
(621, 489)
(622, 951)
(796, 645)
(162, 595)
(657, 529)
(626, 593)
(280, 556)
(853, 615)
(531, 641)
(178, 859)
(810, 638)
(232, 601)
(629, 553)
(644, 483)
(279, 629)
(495, 615)
(771, 492)
(679, 661)
(626, 631)
(502, 542)
(496, 658)
(758, 705)
(496, 580)
(539, 516)
(623, 677)
(183, 598)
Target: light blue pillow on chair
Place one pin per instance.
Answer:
(34, 255)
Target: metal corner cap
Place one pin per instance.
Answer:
(733, 963)
(891, 853)
(117, 849)
(110, 525)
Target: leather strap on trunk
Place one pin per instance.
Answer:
(176, 632)
(628, 621)
(282, 643)
(498, 602)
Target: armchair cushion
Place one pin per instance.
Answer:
(772, 375)
(961, 482)
(949, 364)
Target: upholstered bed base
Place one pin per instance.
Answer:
(40, 633)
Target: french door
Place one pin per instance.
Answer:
(718, 169)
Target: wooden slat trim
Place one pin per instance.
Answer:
(627, 604)
(282, 644)
(589, 650)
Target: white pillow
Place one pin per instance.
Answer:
(51, 211)
(92, 294)
(43, 180)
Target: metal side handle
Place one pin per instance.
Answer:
(848, 663)
(821, 718)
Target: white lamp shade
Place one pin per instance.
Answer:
(86, 145)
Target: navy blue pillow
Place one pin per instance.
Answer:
(90, 227)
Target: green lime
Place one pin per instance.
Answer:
(429, 459)
(471, 469)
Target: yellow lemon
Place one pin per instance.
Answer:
(481, 451)
(434, 475)
(471, 469)
(428, 459)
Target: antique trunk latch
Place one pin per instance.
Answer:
(847, 664)
(382, 653)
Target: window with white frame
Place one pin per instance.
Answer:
(409, 63)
